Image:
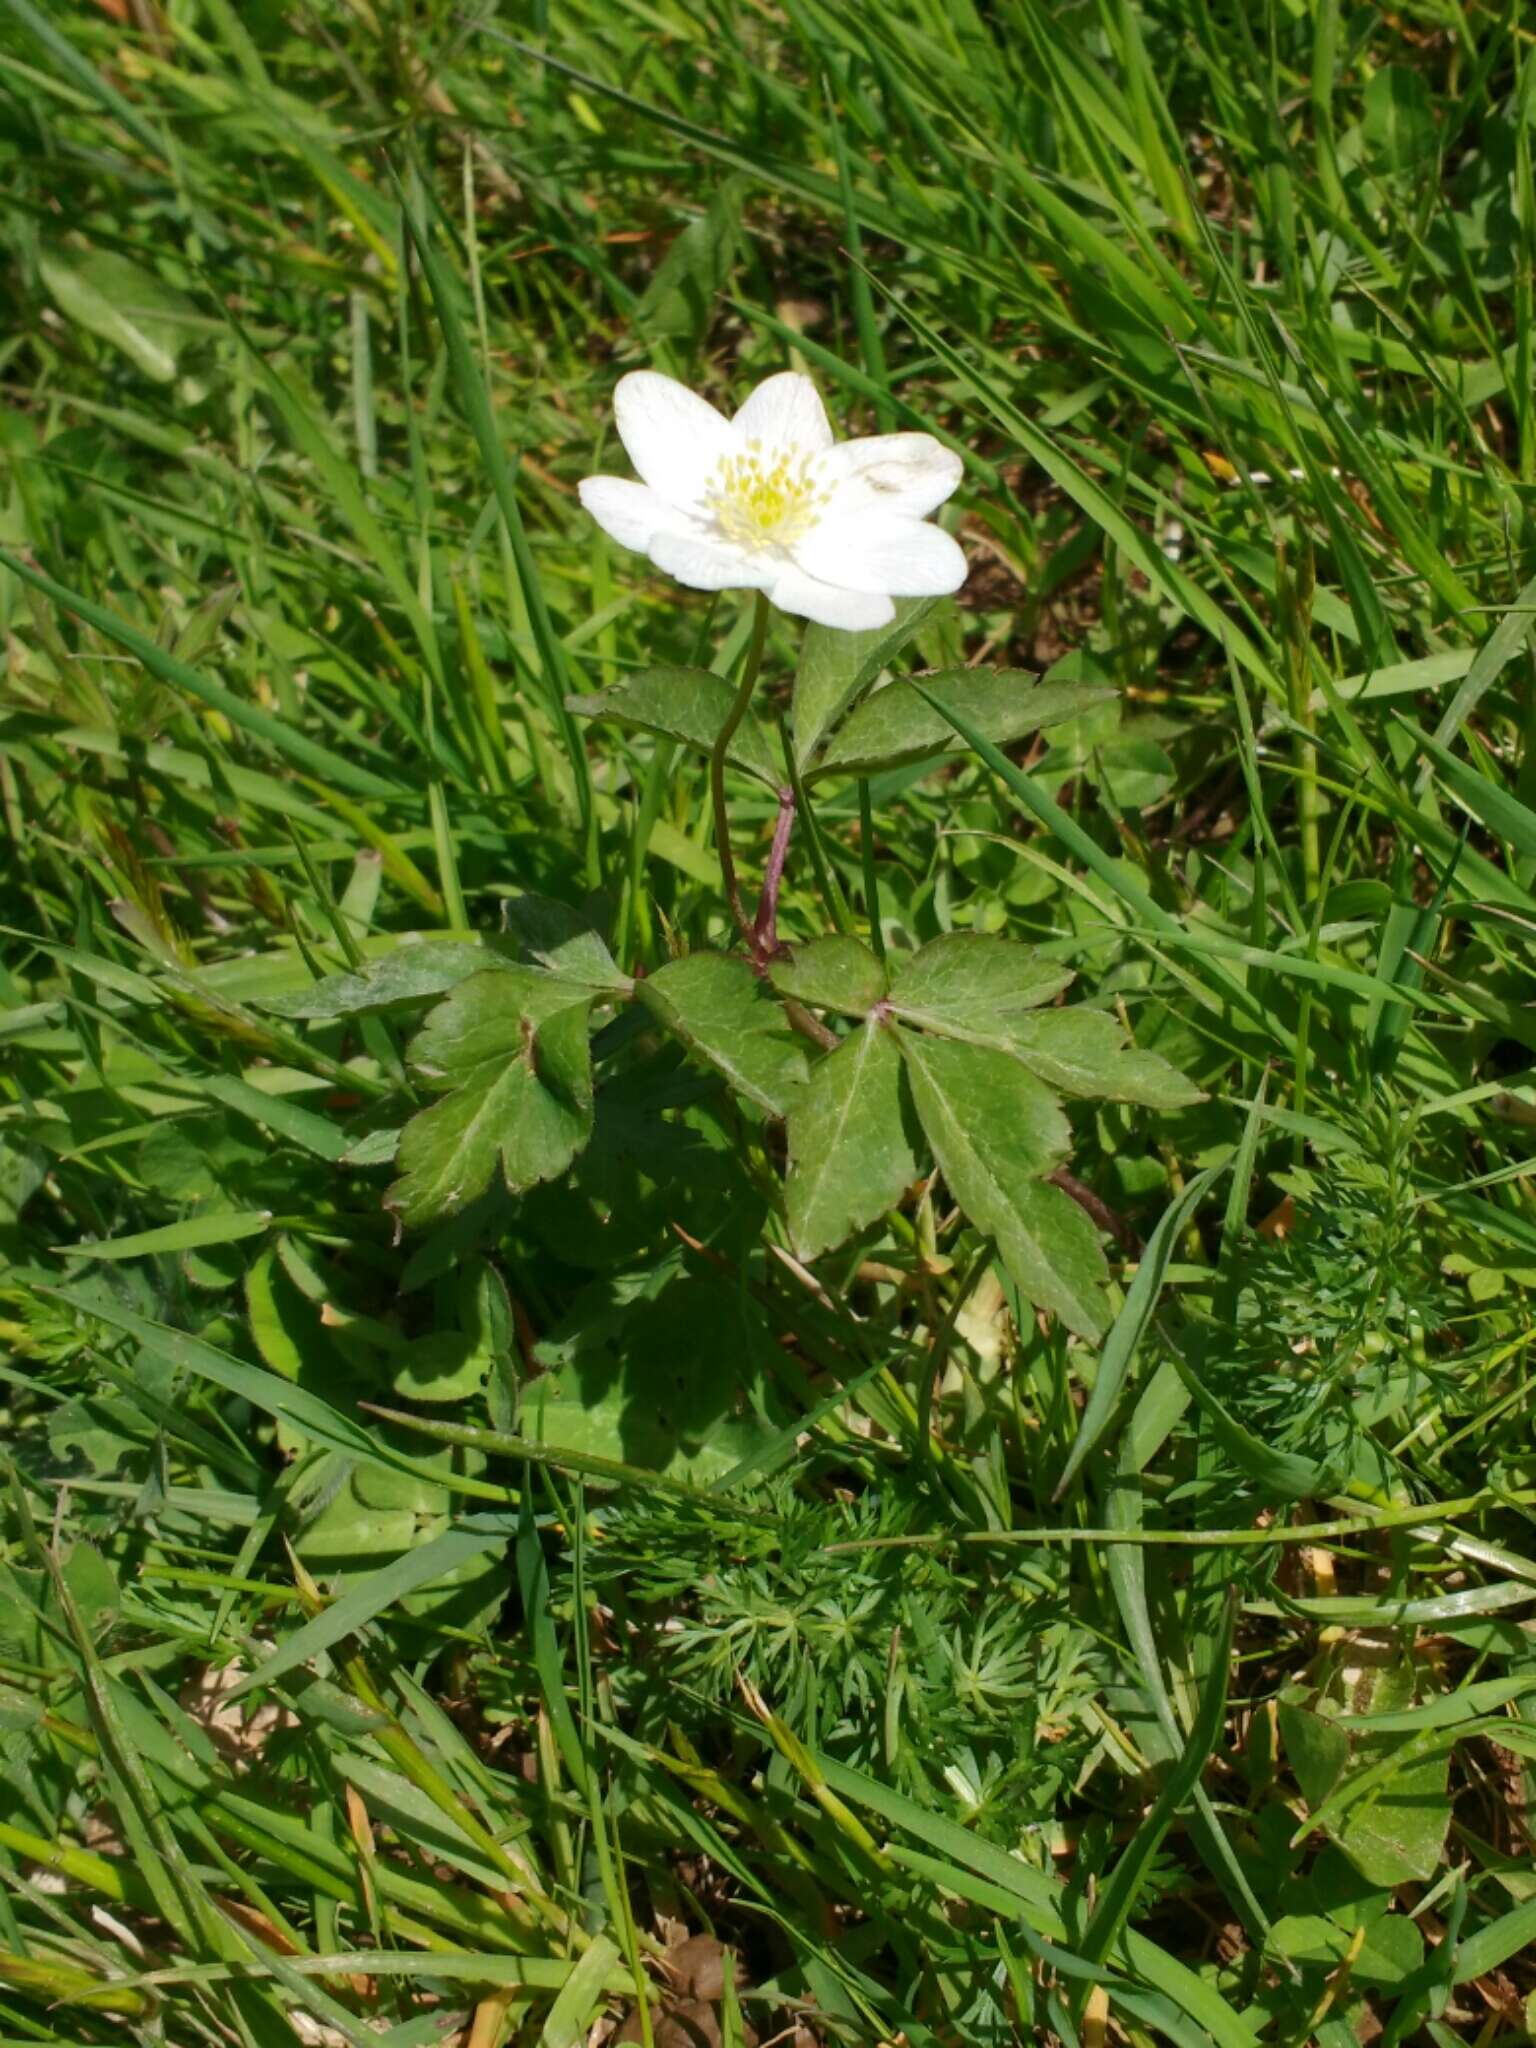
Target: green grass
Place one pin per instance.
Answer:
(418, 1635)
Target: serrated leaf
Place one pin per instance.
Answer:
(1007, 1109)
(852, 1141)
(896, 724)
(410, 974)
(973, 985)
(1084, 1052)
(554, 936)
(378, 1148)
(520, 1082)
(685, 704)
(838, 972)
(717, 1006)
(835, 667)
(994, 1129)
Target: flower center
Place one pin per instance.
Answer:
(760, 503)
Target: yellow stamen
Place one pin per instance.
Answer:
(762, 505)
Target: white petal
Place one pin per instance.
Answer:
(853, 610)
(878, 551)
(909, 473)
(708, 564)
(785, 412)
(630, 513)
(674, 437)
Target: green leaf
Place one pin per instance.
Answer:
(896, 724)
(1381, 1799)
(1489, 802)
(1467, 1703)
(1083, 1052)
(1133, 769)
(837, 972)
(1399, 124)
(474, 396)
(519, 1068)
(835, 667)
(122, 303)
(1086, 848)
(287, 1119)
(680, 300)
(582, 1996)
(1130, 1325)
(852, 1141)
(994, 1129)
(1393, 1947)
(1280, 1474)
(685, 704)
(652, 1379)
(334, 769)
(1496, 1943)
(717, 1006)
(450, 1365)
(373, 1593)
(224, 1227)
(1130, 1873)
(412, 973)
(553, 935)
(973, 986)
(1037, 1894)
(304, 1413)
(1497, 651)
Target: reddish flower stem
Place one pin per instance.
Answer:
(765, 927)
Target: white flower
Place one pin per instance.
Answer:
(769, 501)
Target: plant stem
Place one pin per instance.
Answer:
(871, 880)
(826, 880)
(738, 711)
(765, 927)
(810, 1026)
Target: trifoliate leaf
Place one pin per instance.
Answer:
(685, 704)
(896, 724)
(519, 1070)
(717, 1006)
(838, 972)
(994, 1130)
(853, 1140)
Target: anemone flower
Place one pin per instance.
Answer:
(768, 501)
